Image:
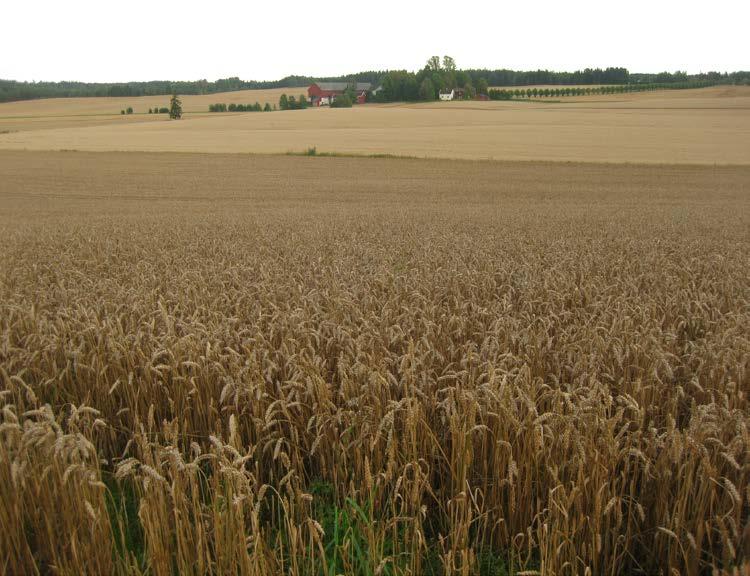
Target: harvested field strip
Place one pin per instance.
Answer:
(703, 129)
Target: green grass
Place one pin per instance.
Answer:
(345, 525)
(122, 507)
(345, 541)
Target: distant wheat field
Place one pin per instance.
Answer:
(75, 112)
(262, 365)
(706, 126)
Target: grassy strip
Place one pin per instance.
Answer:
(347, 547)
(122, 507)
(313, 151)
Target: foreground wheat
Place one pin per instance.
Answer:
(448, 382)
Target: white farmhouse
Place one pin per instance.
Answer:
(446, 95)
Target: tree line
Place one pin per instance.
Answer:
(590, 76)
(285, 103)
(11, 90)
(240, 107)
(509, 94)
(292, 103)
(437, 76)
(426, 84)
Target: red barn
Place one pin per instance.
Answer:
(323, 93)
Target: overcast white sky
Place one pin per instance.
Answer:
(105, 41)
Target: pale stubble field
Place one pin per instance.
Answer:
(708, 126)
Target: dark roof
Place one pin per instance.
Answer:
(341, 86)
(336, 86)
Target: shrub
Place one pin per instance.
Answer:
(129, 110)
(342, 101)
(291, 103)
(500, 94)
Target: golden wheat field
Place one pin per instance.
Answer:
(50, 113)
(706, 126)
(231, 364)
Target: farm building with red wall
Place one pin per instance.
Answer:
(323, 93)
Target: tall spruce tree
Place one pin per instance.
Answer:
(175, 108)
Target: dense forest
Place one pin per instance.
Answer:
(11, 90)
(437, 75)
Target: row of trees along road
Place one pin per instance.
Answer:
(511, 93)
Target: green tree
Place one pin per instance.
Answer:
(342, 101)
(482, 86)
(175, 108)
(434, 63)
(446, 79)
(426, 90)
(129, 110)
(411, 88)
(267, 107)
(284, 102)
(449, 64)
